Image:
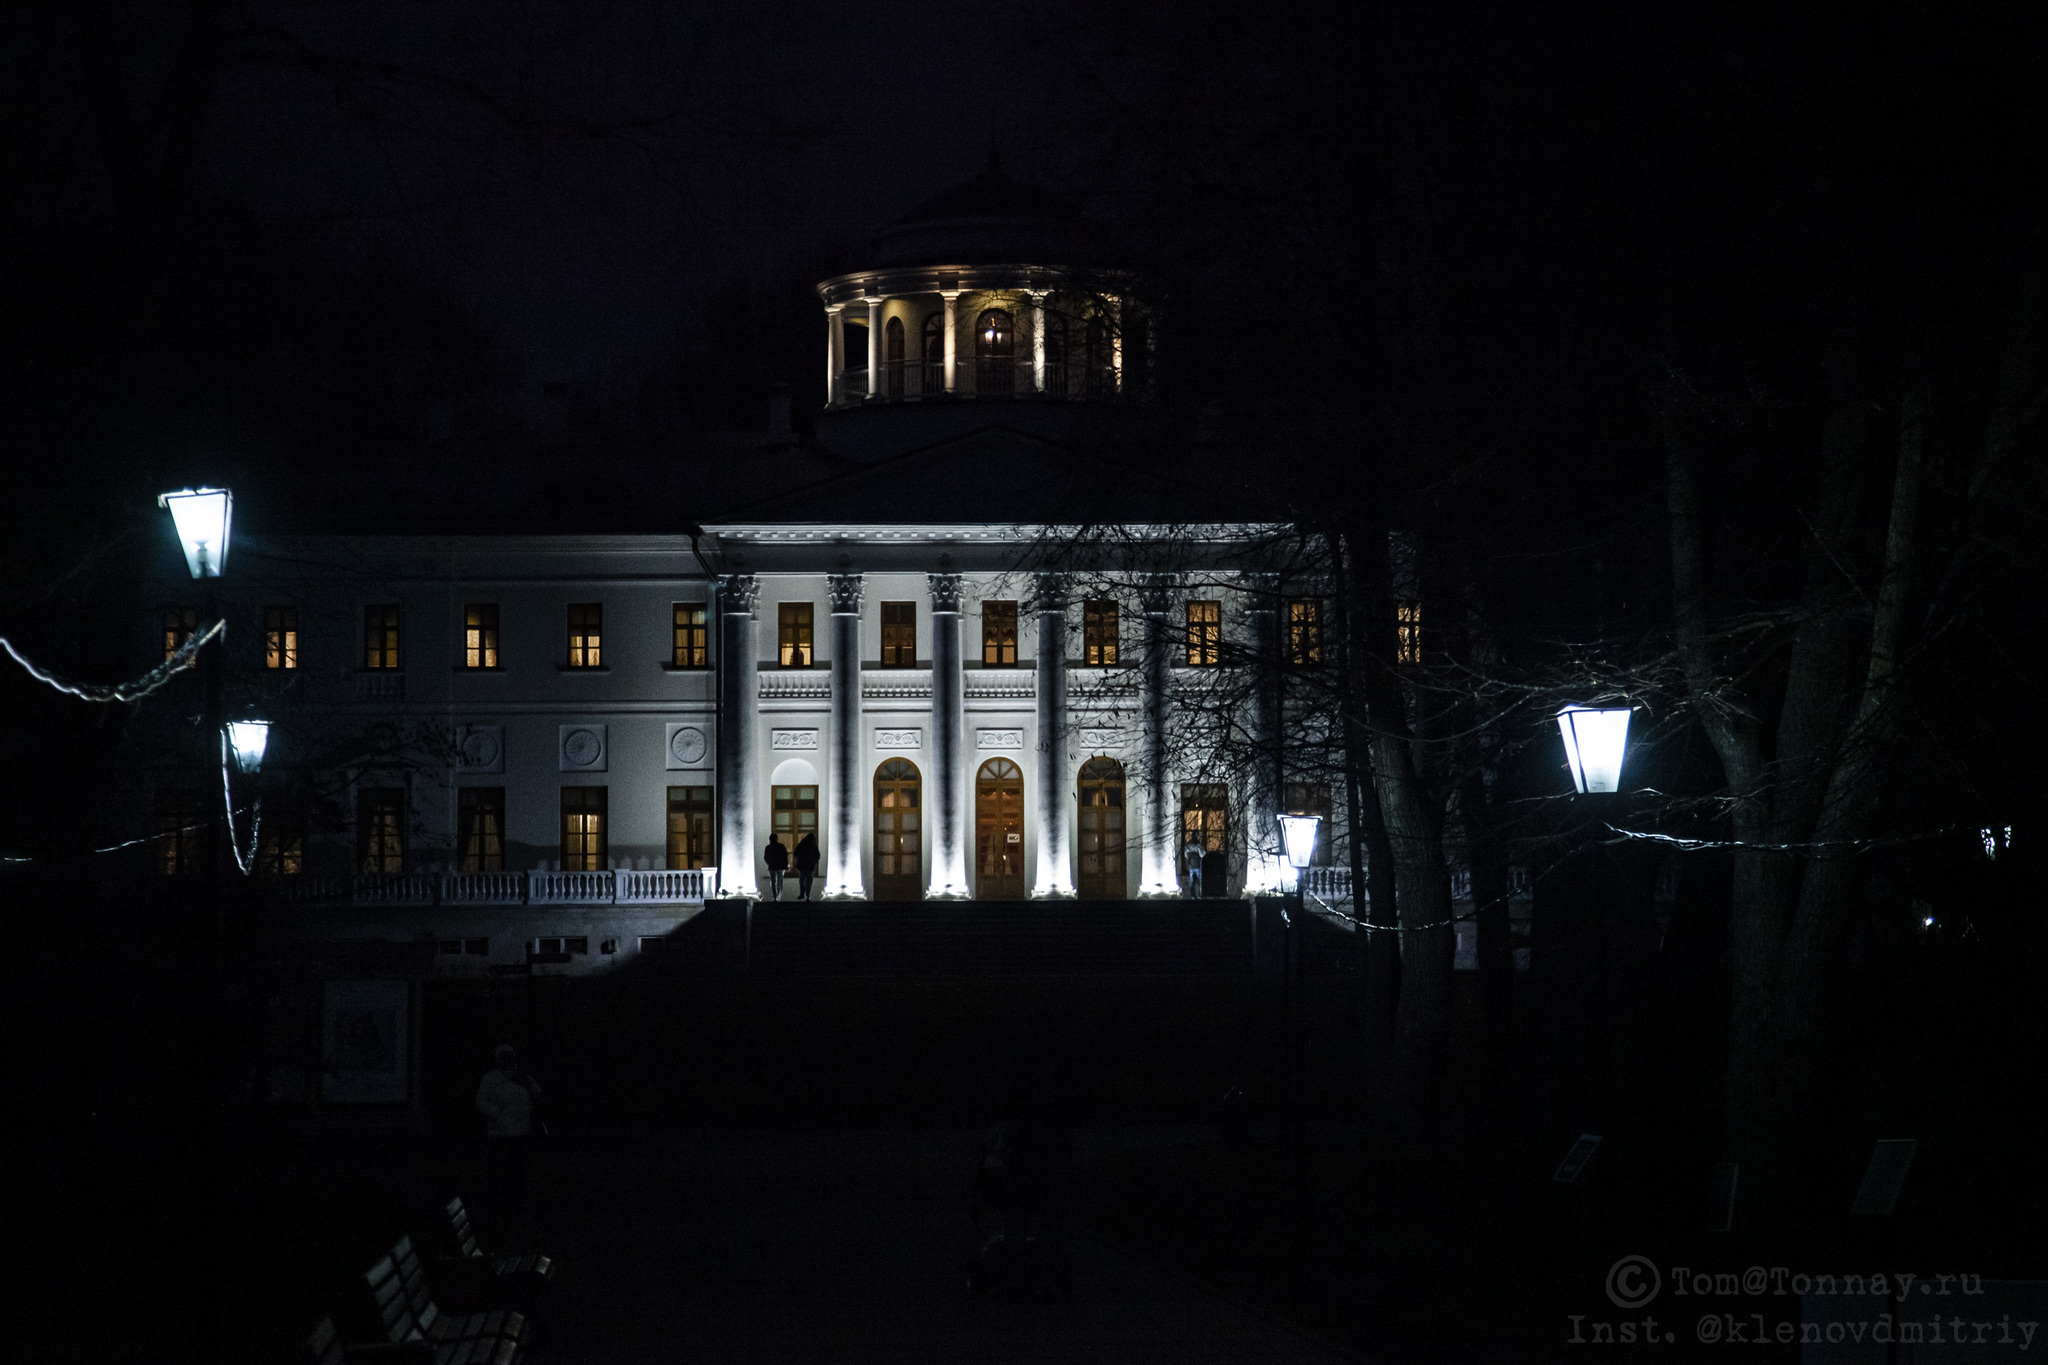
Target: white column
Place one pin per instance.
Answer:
(1055, 879)
(738, 706)
(874, 346)
(835, 350)
(946, 811)
(1037, 339)
(952, 342)
(1157, 876)
(847, 781)
(1116, 342)
(1262, 862)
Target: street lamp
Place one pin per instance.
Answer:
(1594, 738)
(202, 516)
(248, 738)
(1299, 832)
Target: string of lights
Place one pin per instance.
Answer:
(183, 658)
(1701, 845)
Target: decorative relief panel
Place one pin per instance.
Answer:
(480, 749)
(1097, 741)
(899, 739)
(797, 741)
(688, 746)
(998, 739)
(583, 748)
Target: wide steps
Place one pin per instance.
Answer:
(1077, 938)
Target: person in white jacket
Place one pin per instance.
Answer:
(505, 1098)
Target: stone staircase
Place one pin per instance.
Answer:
(1002, 938)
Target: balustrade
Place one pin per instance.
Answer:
(626, 886)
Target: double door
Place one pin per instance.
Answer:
(999, 831)
(899, 832)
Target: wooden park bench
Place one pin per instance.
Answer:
(398, 1286)
(323, 1347)
(514, 1279)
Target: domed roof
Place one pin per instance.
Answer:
(988, 220)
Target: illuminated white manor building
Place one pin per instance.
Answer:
(531, 746)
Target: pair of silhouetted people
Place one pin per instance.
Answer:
(777, 856)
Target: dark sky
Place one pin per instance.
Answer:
(594, 263)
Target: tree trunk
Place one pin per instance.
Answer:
(1414, 831)
(1372, 857)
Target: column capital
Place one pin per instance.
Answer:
(833, 310)
(1050, 591)
(846, 591)
(945, 589)
(739, 591)
(1156, 592)
(1263, 587)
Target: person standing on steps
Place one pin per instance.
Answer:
(1191, 857)
(777, 858)
(806, 865)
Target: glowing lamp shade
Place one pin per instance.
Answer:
(248, 738)
(1594, 738)
(1299, 833)
(202, 516)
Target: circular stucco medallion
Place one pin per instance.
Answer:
(687, 744)
(479, 749)
(582, 747)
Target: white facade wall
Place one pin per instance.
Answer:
(329, 709)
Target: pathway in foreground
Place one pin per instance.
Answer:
(724, 1246)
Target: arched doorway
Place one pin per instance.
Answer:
(899, 832)
(1101, 827)
(999, 831)
(995, 343)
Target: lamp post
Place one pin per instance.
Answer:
(203, 519)
(1298, 835)
(1595, 743)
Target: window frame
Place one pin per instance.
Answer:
(1408, 631)
(588, 858)
(371, 801)
(1101, 633)
(180, 624)
(281, 638)
(687, 807)
(796, 627)
(470, 803)
(480, 636)
(281, 843)
(177, 830)
(994, 641)
(690, 640)
(1205, 636)
(906, 646)
(1304, 637)
(388, 657)
(585, 623)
